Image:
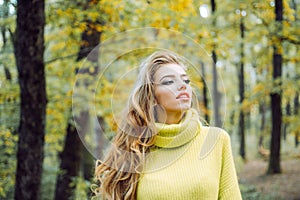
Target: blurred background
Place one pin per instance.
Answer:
(67, 68)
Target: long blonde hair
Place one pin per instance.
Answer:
(118, 174)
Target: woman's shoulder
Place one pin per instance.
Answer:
(215, 131)
(212, 137)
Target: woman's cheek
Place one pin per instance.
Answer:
(164, 95)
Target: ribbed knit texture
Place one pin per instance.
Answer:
(189, 162)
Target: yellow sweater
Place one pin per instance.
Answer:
(188, 162)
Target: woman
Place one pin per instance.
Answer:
(161, 150)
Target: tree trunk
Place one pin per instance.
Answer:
(90, 39)
(265, 153)
(70, 164)
(29, 50)
(99, 130)
(88, 165)
(88, 168)
(216, 94)
(296, 111)
(297, 135)
(288, 114)
(274, 162)
(262, 111)
(7, 74)
(205, 99)
(242, 94)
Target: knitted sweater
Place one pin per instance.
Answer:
(189, 162)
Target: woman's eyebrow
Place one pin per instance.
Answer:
(172, 76)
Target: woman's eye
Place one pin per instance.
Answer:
(167, 82)
(187, 81)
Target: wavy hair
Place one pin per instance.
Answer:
(119, 173)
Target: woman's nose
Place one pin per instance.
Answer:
(182, 85)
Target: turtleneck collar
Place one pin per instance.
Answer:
(175, 135)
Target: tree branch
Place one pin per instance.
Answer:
(290, 40)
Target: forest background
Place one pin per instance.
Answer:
(56, 81)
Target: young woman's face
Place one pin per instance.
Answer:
(172, 90)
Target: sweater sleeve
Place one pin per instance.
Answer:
(229, 187)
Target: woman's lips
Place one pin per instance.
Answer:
(183, 95)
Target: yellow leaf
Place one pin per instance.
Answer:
(99, 28)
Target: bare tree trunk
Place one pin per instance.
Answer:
(70, 164)
(242, 94)
(288, 114)
(29, 50)
(90, 39)
(216, 93)
(7, 74)
(265, 153)
(296, 111)
(262, 111)
(274, 162)
(99, 130)
(88, 168)
(205, 99)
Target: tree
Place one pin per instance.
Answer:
(296, 111)
(70, 164)
(72, 155)
(242, 91)
(204, 90)
(287, 114)
(29, 49)
(216, 94)
(274, 162)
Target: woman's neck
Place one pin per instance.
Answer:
(170, 118)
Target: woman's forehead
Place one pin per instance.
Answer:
(169, 69)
